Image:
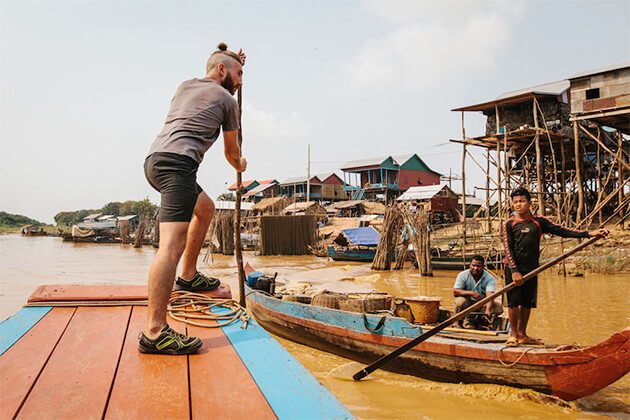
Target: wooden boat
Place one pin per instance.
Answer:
(567, 372)
(361, 254)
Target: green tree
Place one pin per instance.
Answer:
(226, 197)
(112, 208)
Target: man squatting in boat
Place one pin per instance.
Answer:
(473, 285)
(199, 109)
(521, 239)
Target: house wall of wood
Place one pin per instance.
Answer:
(412, 178)
(601, 91)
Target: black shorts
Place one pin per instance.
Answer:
(524, 295)
(175, 178)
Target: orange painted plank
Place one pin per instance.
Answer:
(21, 364)
(220, 384)
(149, 385)
(78, 376)
(77, 292)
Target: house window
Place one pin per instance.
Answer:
(592, 93)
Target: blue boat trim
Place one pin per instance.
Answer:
(394, 326)
(290, 389)
(14, 327)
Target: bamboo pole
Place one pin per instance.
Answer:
(489, 221)
(539, 189)
(499, 194)
(599, 176)
(238, 250)
(620, 174)
(463, 191)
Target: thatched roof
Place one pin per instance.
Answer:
(308, 207)
(373, 207)
(272, 204)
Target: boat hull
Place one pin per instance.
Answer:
(567, 374)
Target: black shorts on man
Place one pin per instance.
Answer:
(174, 176)
(525, 295)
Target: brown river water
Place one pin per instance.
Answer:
(582, 310)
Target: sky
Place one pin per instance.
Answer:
(85, 85)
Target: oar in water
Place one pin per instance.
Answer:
(402, 349)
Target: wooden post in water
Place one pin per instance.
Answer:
(238, 250)
(578, 172)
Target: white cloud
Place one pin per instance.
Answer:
(431, 41)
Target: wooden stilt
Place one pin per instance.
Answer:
(539, 181)
(620, 174)
(578, 172)
(489, 220)
(463, 191)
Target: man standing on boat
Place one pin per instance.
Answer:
(521, 239)
(473, 285)
(199, 109)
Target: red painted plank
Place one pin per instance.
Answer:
(220, 384)
(149, 385)
(77, 292)
(78, 376)
(21, 364)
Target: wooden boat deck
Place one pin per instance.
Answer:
(82, 361)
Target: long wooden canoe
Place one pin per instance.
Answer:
(570, 374)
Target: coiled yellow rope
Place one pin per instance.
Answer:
(188, 307)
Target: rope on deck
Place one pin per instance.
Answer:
(187, 307)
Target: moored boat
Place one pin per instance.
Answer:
(567, 372)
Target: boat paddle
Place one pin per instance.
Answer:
(238, 252)
(430, 333)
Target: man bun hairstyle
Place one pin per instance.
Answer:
(221, 55)
(522, 192)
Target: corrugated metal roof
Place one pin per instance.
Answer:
(605, 69)
(93, 216)
(424, 192)
(128, 217)
(401, 159)
(554, 89)
(375, 161)
(245, 184)
(299, 180)
(258, 189)
(514, 96)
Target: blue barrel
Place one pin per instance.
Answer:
(252, 278)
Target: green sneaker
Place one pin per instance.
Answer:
(169, 342)
(199, 283)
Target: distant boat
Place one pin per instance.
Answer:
(32, 230)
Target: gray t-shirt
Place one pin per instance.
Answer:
(198, 110)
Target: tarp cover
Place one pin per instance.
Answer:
(366, 236)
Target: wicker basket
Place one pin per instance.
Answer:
(327, 300)
(425, 309)
(365, 303)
